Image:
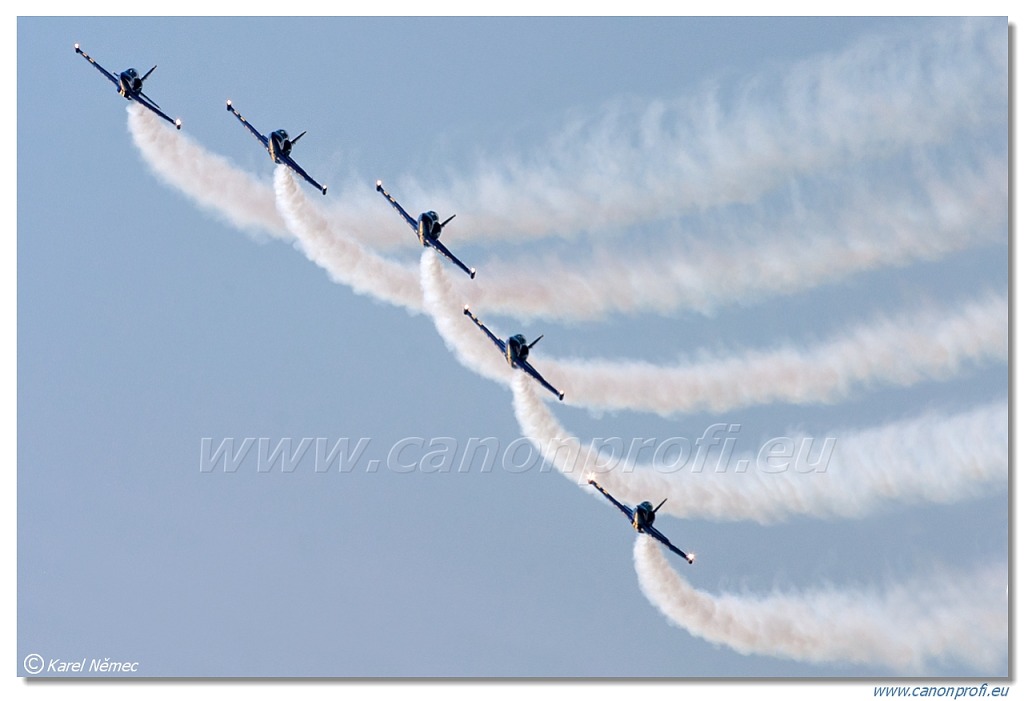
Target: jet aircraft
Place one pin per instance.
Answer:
(129, 85)
(515, 351)
(642, 518)
(428, 228)
(279, 146)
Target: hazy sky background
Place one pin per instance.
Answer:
(146, 323)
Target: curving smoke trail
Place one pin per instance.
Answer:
(896, 351)
(471, 348)
(908, 627)
(211, 181)
(750, 256)
(940, 459)
(284, 211)
(642, 162)
(346, 261)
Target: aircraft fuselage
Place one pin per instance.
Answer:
(516, 349)
(429, 227)
(279, 145)
(131, 83)
(643, 515)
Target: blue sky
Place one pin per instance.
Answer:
(147, 323)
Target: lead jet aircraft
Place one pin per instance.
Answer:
(515, 351)
(129, 85)
(279, 146)
(428, 228)
(642, 518)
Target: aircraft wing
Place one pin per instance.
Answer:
(262, 139)
(657, 535)
(497, 341)
(394, 203)
(101, 69)
(148, 103)
(609, 497)
(443, 250)
(529, 370)
(287, 160)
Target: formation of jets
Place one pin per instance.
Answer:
(428, 229)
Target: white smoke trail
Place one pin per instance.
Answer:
(870, 229)
(939, 459)
(909, 627)
(897, 351)
(346, 261)
(883, 94)
(284, 212)
(471, 347)
(208, 179)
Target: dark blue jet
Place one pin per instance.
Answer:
(428, 228)
(642, 518)
(279, 146)
(129, 85)
(516, 350)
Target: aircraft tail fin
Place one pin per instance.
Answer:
(660, 505)
(535, 342)
(296, 139)
(447, 220)
(148, 73)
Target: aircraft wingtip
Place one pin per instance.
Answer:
(472, 273)
(77, 50)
